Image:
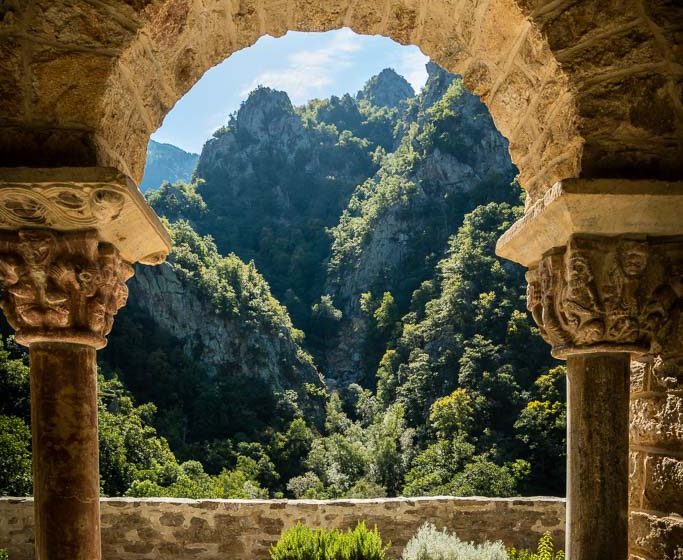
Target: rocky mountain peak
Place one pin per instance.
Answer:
(386, 89)
(264, 112)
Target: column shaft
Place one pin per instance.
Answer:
(65, 451)
(597, 456)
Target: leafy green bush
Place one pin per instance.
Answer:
(303, 543)
(545, 551)
(432, 544)
(3, 554)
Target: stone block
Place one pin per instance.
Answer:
(312, 15)
(133, 529)
(663, 484)
(659, 538)
(56, 93)
(657, 420)
(11, 86)
(636, 479)
(83, 24)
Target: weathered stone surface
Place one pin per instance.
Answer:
(656, 538)
(136, 529)
(605, 294)
(61, 287)
(657, 419)
(597, 456)
(663, 484)
(604, 207)
(656, 484)
(66, 477)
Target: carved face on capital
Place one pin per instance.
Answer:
(97, 314)
(633, 258)
(578, 269)
(106, 205)
(36, 246)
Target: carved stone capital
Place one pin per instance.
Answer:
(606, 294)
(75, 199)
(61, 287)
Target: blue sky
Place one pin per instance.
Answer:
(305, 65)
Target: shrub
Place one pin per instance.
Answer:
(431, 544)
(545, 551)
(303, 543)
(3, 554)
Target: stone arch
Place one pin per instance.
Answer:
(501, 54)
(586, 88)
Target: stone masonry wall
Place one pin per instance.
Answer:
(157, 528)
(656, 456)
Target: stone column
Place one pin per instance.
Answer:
(64, 262)
(605, 260)
(597, 456)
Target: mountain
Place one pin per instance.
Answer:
(397, 224)
(386, 89)
(166, 162)
(332, 320)
(273, 180)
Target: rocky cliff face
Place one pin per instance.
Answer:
(398, 223)
(267, 126)
(219, 342)
(275, 178)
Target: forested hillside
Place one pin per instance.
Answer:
(333, 321)
(166, 162)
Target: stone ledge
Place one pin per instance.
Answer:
(601, 207)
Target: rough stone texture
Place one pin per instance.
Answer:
(78, 198)
(61, 287)
(604, 207)
(656, 454)
(135, 529)
(589, 87)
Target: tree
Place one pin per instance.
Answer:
(15, 457)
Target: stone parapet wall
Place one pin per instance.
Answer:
(170, 529)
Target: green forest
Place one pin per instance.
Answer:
(332, 322)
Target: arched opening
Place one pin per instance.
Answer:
(394, 174)
(581, 89)
(500, 54)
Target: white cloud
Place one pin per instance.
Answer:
(411, 66)
(308, 72)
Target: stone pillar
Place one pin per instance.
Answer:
(66, 484)
(66, 249)
(597, 456)
(605, 262)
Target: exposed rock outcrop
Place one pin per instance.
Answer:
(235, 345)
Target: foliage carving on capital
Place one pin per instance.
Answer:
(603, 294)
(61, 287)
